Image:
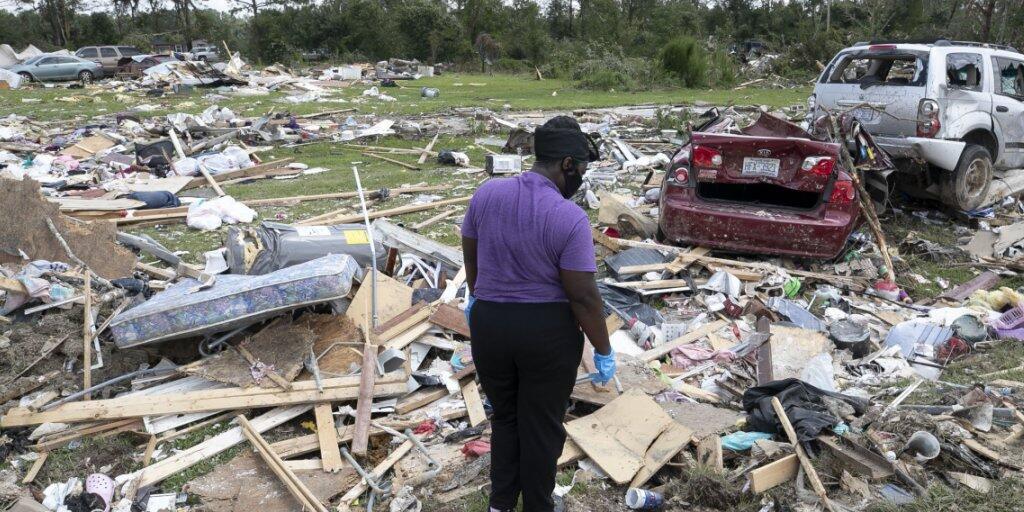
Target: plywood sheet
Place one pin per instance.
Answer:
(618, 435)
(281, 346)
(393, 298)
(632, 374)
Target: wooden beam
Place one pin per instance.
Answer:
(361, 437)
(433, 220)
(685, 339)
(241, 173)
(327, 434)
(401, 210)
(209, 448)
(295, 486)
(774, 473)
(474, 405)
(87, 336)
(420, 398)
(186, 403)
(62, 438)
(392, 160)
(147, 457)
(805, 461)
(36, 466)
(426, 150)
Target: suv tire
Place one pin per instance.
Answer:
(966, 188)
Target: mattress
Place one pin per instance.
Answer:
(234, 301)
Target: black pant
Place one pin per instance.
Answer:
(526, 356)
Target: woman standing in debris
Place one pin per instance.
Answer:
(530, 267)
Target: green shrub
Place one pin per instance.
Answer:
(686, 60)
(613, 71)
(722, 69)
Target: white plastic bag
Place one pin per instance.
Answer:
(209, 215)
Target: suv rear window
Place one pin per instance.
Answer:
(869, 68)
(963, 71)
(1009, 77)
(108, 52)
(128, 51)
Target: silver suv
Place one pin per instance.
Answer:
(951, 113)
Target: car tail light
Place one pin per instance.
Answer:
(928, 123)
(881, 47)
(820, 165)
(842, 193)
(703, 156)
(681, 176)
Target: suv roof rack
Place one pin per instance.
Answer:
(939, 42)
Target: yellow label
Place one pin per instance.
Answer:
(354, 237)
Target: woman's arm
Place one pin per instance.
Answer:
(469, 260)
(587, 305)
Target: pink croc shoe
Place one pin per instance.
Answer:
(102, 486)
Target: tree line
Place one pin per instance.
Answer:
(513, 35)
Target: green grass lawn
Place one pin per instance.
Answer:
(518, 92)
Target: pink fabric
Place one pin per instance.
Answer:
(692, 355)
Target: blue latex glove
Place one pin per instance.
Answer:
(470, 300)
(605, 368)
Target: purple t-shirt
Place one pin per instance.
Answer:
(526, 231)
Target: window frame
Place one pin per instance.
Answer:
(980, 65)
(997, 74)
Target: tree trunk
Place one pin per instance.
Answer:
(986, 20)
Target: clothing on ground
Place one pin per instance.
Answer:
(526, 231)
(806, 406)
(526, 356)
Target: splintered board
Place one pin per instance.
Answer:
(619, 434)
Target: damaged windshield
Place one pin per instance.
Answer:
(869, 69)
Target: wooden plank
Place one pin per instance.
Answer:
(402, 340)
(205, 450)
(147, 457)
(417, 318)
(571, 452)
(87, 336)
(287, 477)
(709, 452)
(433, 220)
(393, 298)
(805, 461)
(241, 173)
(391, 212)
(400, 319)
(327, 434)
(451, 318)
(474, 405)
(411, 167)
(774, 473)
(63, 438)
(687, 338)
(426, 150)
(36, 466)
(183, 404)
(669, 443)
(304, 465)
(12, 285)
(420, 398)
(361, 437)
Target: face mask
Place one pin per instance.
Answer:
(573, 182)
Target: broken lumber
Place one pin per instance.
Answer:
(401, 210)
(392, 160)
(241, 173)
(805, 461)
(774, 473)
(327, 434)
(185, 459)
(685, 339)
(426, 150)
(474, 405)
(368, 374)
(287, 477)
(36, 466)
(433, 220)
(193, 402)
(87, 336)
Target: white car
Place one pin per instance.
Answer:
(950, 113)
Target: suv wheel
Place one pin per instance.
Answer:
(85, 76)
(967, 187)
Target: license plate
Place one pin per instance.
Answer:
(867, 115)
(761, 167)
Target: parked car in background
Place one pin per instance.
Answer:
(58, 67)
(134, 66)
(951, 113)
(107, 56)
(769, 188)
(206, 53)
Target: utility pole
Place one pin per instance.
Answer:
(828, 15)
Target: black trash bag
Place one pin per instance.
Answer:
(803, 404)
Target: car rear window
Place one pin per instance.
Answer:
(963, 71)
(1009, 77)
(867, 69)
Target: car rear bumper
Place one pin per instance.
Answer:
(687, 219)
(944, 154)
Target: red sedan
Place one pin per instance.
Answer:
(770, 189)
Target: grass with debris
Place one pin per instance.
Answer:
(1006, 496)
(55, 102)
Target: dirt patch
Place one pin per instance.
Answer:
(24, 233)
